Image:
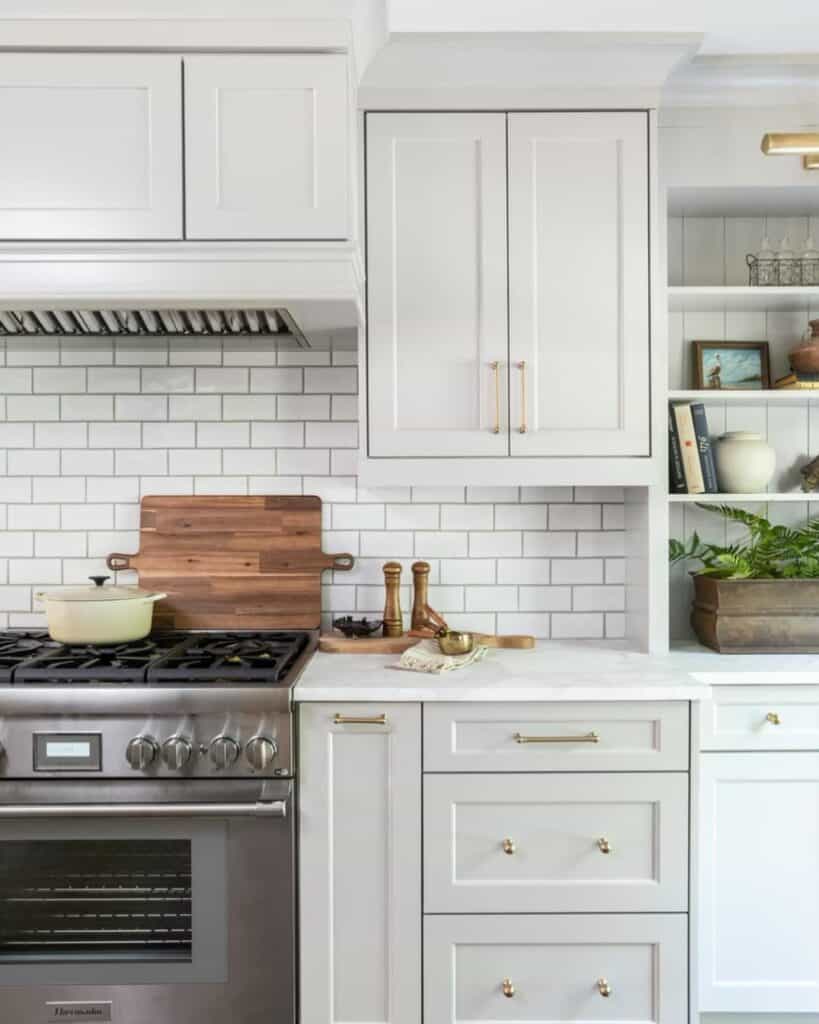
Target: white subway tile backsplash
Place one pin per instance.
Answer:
(113, 380)
(59, 380)
(277, 381)
(89, 428)
(89, 462)
(86, 407)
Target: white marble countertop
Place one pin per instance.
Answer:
(550, 672)
(553, 671)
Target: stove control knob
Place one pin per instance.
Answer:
(223, 751)
(176, 752)
(141, 752)
(260, 752)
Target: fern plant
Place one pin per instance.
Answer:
(768, 551)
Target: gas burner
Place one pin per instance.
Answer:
(97, 663)
(257, 657)
(17, 646)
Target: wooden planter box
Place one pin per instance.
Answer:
(756, 616)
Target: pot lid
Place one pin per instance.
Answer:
(97, 592)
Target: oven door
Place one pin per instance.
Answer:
(135, 902)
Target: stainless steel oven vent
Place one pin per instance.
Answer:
(274, 324)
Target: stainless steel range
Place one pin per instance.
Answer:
(147, 864)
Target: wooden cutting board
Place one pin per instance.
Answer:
(232, 562)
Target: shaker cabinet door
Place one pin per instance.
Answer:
(579, 284)
(92, 147)
(360, 863)
(759, 883)
(436, 264)
(267, 146)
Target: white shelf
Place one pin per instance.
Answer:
(730, 499)
(707, 299)
(746, 397)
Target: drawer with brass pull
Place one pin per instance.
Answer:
(561, 843)
(624, 736)
(761, 718)
(556, 967)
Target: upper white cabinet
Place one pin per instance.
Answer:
(267, 146)
(579, 283)
(92, 146)
(360, 863)
(535, 347)
(436, 254)
(759, 883)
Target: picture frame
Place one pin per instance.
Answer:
(731, 365)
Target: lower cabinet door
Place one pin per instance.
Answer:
(360, 863)
(759, 883)
(556, 968)
(542, 843)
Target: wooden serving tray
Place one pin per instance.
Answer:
(334, 643)
(232, 562)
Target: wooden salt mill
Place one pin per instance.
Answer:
(393, 619)
(420, 601)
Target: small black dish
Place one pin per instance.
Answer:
(351, 627)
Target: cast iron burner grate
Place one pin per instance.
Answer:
(253, 657)
(18, 646)
(98, 663)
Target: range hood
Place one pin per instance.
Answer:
(306, 295)
(275, 324)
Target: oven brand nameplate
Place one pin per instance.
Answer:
(71, 1013)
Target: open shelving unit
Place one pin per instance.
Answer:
(709, 231)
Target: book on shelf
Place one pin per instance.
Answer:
(798, 382)
(683, 423)
(692, 469)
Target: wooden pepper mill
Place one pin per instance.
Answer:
(420, 601)
(393, 619)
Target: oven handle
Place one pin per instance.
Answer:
(260, 809)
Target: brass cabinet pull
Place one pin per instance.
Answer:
(588, 737)
(495, 365)
(603, 845)
(509, 846)
(507, 988)
(353, 720)
(773, 718)
(603, 987)
(522, 367)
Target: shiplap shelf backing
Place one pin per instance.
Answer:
(709, 299)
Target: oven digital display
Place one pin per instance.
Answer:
(59, 748)
(67, 752)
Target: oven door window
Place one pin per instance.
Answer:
(101, 902)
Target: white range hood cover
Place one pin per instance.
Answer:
(317, 290)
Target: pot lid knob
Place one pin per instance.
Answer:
(99, 580)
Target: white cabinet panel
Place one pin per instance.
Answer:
(761, 718)
(436, 258)
(759, 883)
(554, 967)
(579, 283)
(623, 736)
(360, 864)
(92, 146)
(556, 843)
(267, 146)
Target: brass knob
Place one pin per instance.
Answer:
(603, 987)
(603, 845)
(773, 718)
(507, 988)
(509, 846)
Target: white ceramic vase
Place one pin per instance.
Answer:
(745, 463)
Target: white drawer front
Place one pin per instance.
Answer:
(626, 736)
(555, 843)
(761, 718)
(555, 969)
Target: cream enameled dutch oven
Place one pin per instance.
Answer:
(99, 614)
